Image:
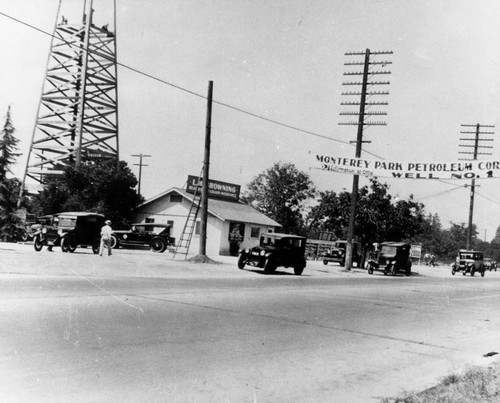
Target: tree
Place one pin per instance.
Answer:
(101, 187)
(379, 218)
(280, 192)
(10, 223)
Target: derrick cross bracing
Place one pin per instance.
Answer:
(77, 120)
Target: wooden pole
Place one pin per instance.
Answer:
(206, 165)
(355, 179)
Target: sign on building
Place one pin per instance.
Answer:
(416, 251)
(216, 189)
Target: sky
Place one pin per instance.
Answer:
(282, 60)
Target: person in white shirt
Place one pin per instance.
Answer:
(106, 231)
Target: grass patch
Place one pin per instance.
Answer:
(477, 384)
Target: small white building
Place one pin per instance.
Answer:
(230, 225)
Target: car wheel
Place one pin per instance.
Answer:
(158, 245)
(472, 273)
(270, 265)
(342, 263)
(241, 262)
(114, 243)
(453, 271)
(408, 269)
(298, 269)
(37, 244)
(370, 269)
(482, 273)
(24, 236)
(96, 246)
(325, 262)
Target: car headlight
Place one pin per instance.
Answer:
(44, 230)
(262, 252)
(247, 250)
(393, 262)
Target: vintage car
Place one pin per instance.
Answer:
(392, 257)
(469, 261)
(155, 236)
(275, 250)
(338, 251)
(70, 230)
(490, 264)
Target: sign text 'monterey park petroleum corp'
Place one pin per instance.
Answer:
(216, 189)
(408, 170)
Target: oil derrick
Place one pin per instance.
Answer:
(77, 118)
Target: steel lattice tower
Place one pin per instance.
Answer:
(77, 119)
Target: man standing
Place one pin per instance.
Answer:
(106, 231)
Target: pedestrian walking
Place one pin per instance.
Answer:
(106, 231)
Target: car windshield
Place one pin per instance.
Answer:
(341, 245)
(471, 256)
(267, 240)
(67, 222)
(389, 250)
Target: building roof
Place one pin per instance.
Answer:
(224, 210)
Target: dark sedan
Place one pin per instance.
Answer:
(155, 236)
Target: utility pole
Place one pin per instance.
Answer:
(475, 139)
(140, 164)
(364, 115)
(206, 166)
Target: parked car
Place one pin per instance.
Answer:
(276, 250)
(489, 264)
(393, 257)
(152, 235)
(69, 230)
(338, 251)
(469, 261)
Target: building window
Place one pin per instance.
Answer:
(150, 220)
(254, 232)
(175, 198)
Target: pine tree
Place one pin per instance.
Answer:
(10, 224)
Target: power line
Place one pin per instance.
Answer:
(180, 88)
(441, 193)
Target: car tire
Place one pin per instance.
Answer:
(472, 273)
(24, 236)
(408, 269)
(96, 246)
(325, 262)
(241, 262)
(158, 245)
(370, 269)
(453, 271)
(482, 273)
(464, 272)
(37, 244)
(270, 265)
(298, 270)
(114, 243)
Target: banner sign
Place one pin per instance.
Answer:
(216, 189)
(407, 170)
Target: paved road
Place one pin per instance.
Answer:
(141, 327)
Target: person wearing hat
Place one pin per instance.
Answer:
(106, 231)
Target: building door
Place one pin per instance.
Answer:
(236, 235)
